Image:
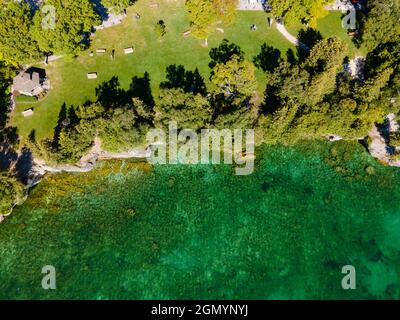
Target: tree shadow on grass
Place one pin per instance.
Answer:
(189, 81)
(268, 59)
(310, 37)
(110, 94)
(291, 56)
(224, 52)
(62, 116)
(271, 102)
(140, 88)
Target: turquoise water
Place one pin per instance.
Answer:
(129, 231)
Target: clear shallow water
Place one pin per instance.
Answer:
(129, 231)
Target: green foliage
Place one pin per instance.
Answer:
(225, 52)
(383, 77)
(44, 149)
(76, 139)
(17, 41)
(236, 117)
(143, 110)
(76, 142)
(301, 10)
(235, 79)
(74, 20)
(382, 23)
(309, 82)
(4, 98)
(372, 88)
(25, 99)
(205, 15)
(121, 130)
(190, 111)
(323, 64)
(11, 192)
(118, 6)
(395, 139)
(386, 55)
(306, 100)
(118, 129)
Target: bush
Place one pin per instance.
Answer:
(11, 192)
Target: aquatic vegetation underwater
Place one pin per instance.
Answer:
(129, 231)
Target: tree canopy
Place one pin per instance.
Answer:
(11, 192)
(17, 42)
(300, 10)
(206, 14)
(382, 23)
(74, 20)
(190, 111)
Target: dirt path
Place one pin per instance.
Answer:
(292, 39)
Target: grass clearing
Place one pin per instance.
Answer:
(331, 25)
(152, 54)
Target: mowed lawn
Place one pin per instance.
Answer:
(69, 76)
(331, 25)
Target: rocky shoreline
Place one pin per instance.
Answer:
(377, 144)
(86, 164)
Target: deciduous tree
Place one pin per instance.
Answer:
(206, 14)
(17, 42)
(74, 20)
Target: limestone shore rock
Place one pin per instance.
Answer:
(86, 164)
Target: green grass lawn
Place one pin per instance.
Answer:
(331, 25)
(71, 86)
(25, 99)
